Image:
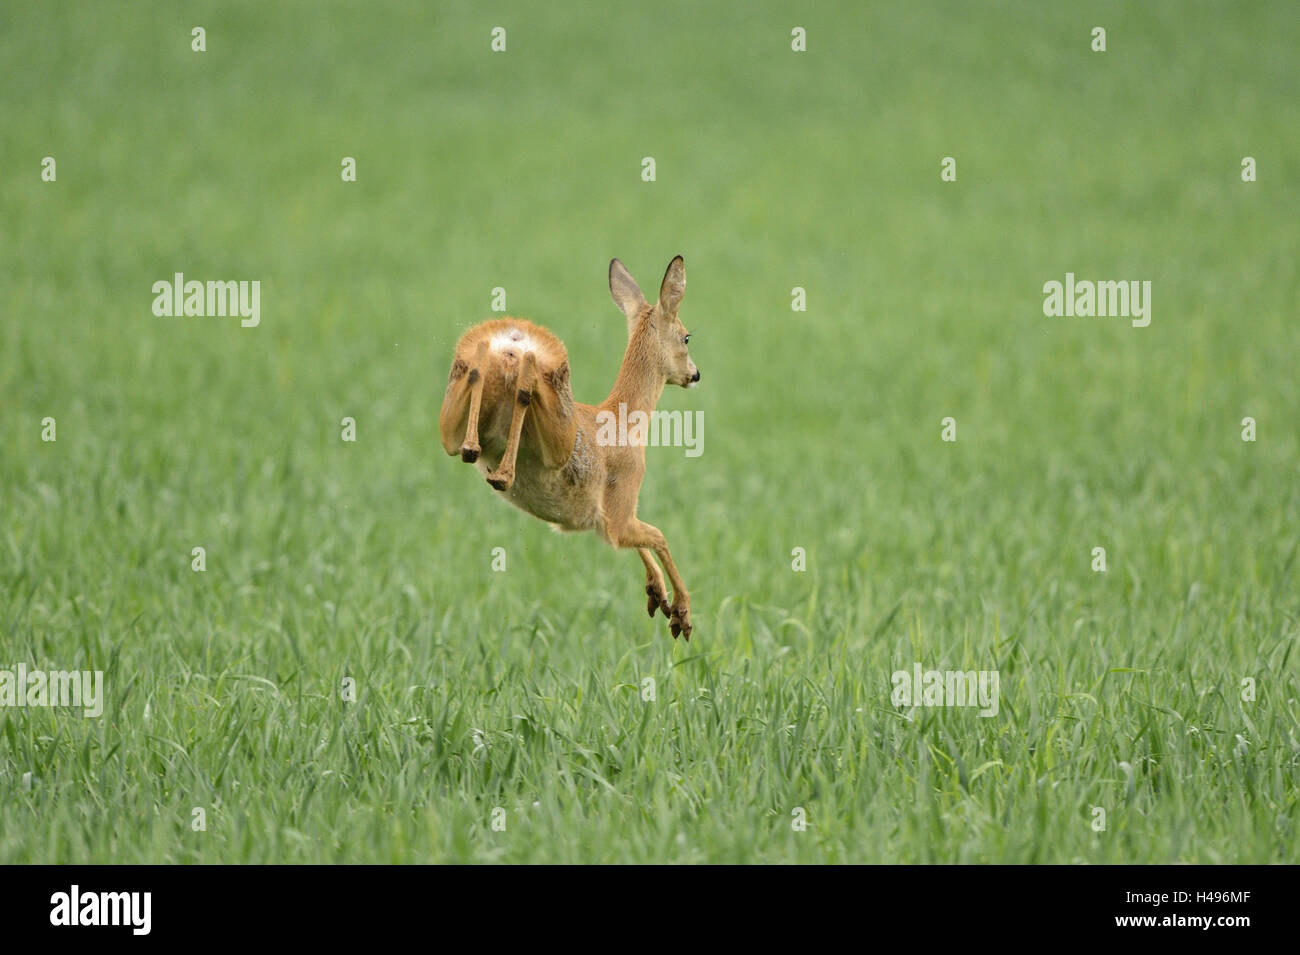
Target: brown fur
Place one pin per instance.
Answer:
(510, 409)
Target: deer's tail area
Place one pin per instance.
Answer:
(489, 357)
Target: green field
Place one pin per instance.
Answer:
(371, 561)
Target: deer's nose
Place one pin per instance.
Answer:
(696, 377)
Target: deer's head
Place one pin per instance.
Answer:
(655, 333)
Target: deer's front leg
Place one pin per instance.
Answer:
(655, 591)
(639, 534)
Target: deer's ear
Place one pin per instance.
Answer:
(627, 295)
(674, 286)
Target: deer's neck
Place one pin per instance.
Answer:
(639, 384)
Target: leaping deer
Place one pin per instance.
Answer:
(509, 407)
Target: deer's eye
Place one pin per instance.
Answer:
(686, 340)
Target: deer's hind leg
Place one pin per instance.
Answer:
(551, 427)
(504, 475)
(458, 420)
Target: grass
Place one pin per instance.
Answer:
(522, 690)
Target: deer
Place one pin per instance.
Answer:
(509, 410)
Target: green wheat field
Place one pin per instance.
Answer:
(504, 716)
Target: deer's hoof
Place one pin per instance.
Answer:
(658, 599)
(680, 622)
(501, 482)
(469, 453)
